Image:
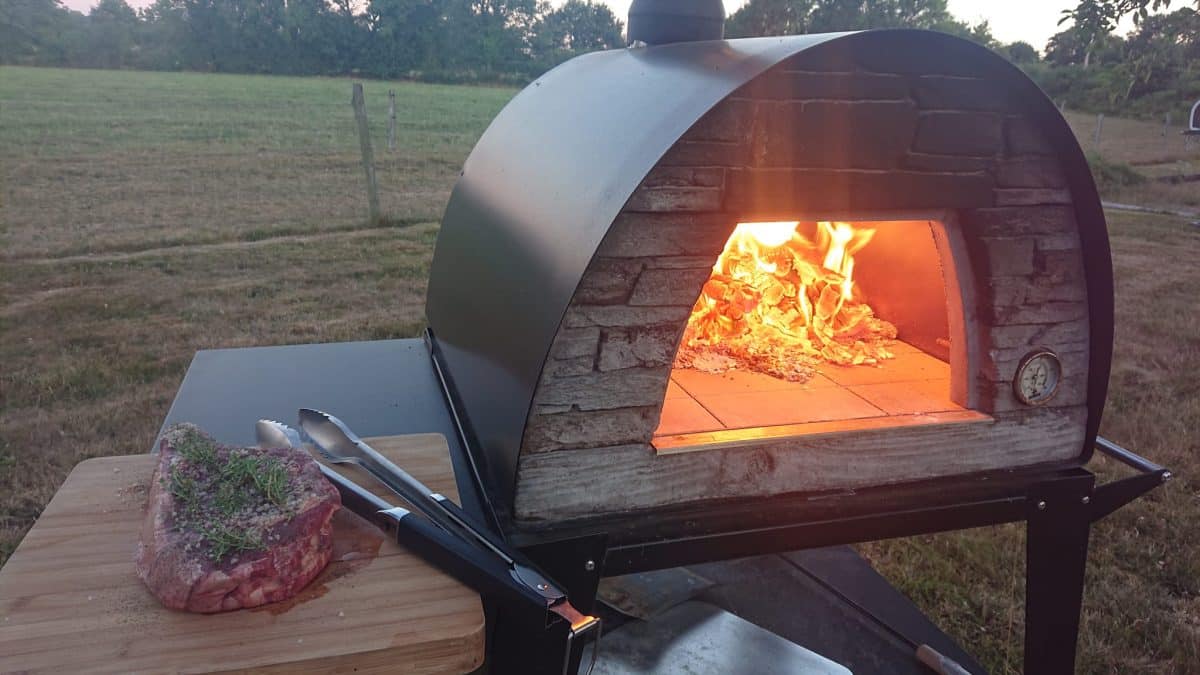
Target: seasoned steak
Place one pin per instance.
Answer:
(229, 528)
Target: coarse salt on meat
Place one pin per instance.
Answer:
(262, 539)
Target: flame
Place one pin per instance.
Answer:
(780, 303)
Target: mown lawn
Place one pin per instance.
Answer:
(149, 215)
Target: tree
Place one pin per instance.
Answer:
(112, 30)
(1021, 53)
(770, 17)
(578, 26)
(405, 35)
(31, 31)
(862, 14)
(1095, 19)
(162, 32)
(1077, 46)
(790, 17)
(1164, 46)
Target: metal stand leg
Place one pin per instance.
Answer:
(522, 643)
(1055, 564)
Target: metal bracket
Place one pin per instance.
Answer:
(522, 644)
(1112, 496)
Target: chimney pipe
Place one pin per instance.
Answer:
(657, 22)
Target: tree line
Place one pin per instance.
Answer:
(1086, 65)
(1153, 70)
(442, 40)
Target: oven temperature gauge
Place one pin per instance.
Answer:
(1038, 376)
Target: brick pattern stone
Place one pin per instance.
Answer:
(799, 85)
(573, 429)
(1030, 172)
(641, 347)
(843, 133)
(610, 282)
(1023, 137)
(942, 92)
(836, 134)
(959, 133)
(669, 286)
(1031, 196)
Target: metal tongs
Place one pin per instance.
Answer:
(447, 537)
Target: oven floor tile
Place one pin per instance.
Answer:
(699, 383)
(909, 398)
(906, 367)
(913, 383)
(686, 416)
(788, 406)
(675, 391)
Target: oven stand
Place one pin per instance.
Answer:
(1058, 512)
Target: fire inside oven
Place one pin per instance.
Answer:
(822, 326)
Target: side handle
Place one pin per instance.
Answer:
(1112, 496)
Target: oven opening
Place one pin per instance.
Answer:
(823, 326)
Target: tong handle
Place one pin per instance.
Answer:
(437, 506)
(485, 574)
(474, 568)
(480, 533)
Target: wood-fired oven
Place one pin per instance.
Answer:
(737, 269)
(703, 300)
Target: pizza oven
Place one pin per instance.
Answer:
(722, 272)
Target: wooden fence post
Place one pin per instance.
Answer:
(1099, 128)
(391, 119)
(368, 156)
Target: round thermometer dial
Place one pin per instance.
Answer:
(1038, 376)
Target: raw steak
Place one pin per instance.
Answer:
(228, 528)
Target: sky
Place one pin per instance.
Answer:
(1033, 21)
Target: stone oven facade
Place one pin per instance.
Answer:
(878, 126)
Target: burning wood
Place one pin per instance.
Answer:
(779, 303)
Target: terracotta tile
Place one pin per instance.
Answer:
(908, 367)
(902, 347)
(908, 398)
(698, 383)
(685, 416)
(674, 391)
(739, 411)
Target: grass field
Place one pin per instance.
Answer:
(149, 215)
(1150, 152)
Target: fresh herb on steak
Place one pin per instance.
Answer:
(228, 528)
(227, 497)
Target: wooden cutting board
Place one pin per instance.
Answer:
(70, 602)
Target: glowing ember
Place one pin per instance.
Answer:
(779, 303)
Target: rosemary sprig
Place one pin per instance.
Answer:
(223, 539)
(221, 493)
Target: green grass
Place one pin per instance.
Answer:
(1131, 153)
(146, 216)
(110, 161)
(66, 113)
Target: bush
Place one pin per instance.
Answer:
(1110, 175)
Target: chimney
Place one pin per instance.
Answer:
(656, 22)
